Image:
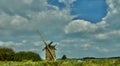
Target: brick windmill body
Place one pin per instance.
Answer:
(50, 50)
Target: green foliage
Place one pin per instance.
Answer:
(85, 58)
(90, 62)
(24, 56)
(64, 57)
(6, 54)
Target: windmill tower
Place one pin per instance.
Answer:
(50, 50)
(50, 55)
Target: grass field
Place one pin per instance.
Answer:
(91, 62)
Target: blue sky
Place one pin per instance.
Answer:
(91, 10)
(80, 28)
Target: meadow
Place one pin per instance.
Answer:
(89, 62)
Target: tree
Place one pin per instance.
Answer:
(20, 56)
(6, 54)
(64, 57)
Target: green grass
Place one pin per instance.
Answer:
(90, 62)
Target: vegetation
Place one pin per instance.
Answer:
(90, 62)
(64, 57)
(6, 54)
(24, 56)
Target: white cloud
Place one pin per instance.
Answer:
(102, 36)
(12, 22)
(102, 24)
(83, 26)
(112, 18)
(22, 6)
(113, 6)
(28, 1)
(9, 44)
(18, 21)
(107, 35)
(86, 46)
(38, 21)
(20, 17)
(24, 41)
(104, 50)
(67, 1)
(115, 32)
(6, 44)
(34, 49)
(38, 43)
(112, 30)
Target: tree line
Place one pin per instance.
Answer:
(8, 54)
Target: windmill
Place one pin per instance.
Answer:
(49, 48)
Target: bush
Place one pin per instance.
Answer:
(6, 54)
(22, 56)
(64, 57)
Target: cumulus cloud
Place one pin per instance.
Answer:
(22, 6)
(83, 26)
(112, 22)
(112, 18)
(44, 21)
